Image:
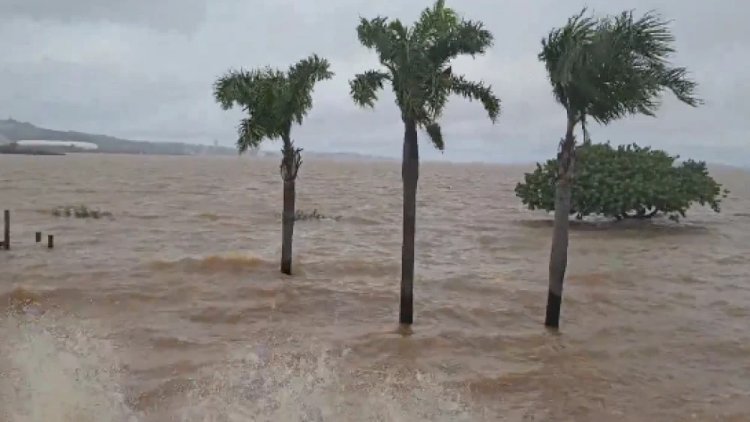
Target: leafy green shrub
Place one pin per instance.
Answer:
(627, 182)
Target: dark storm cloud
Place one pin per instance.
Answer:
(144, 69)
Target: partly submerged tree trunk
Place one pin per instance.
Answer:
(287, 227)
(291, 160)
(558, 260)
(410, 176)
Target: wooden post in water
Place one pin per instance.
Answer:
(38, 237)
(50, 241)
(6, 235)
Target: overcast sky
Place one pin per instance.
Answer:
(143, 69)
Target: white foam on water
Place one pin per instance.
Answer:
(56, 373)
(312, 387)
(54, 370)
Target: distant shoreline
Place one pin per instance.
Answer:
(10, 151)
(13, 130)
(335, 157)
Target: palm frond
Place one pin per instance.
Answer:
(310, 70)
(302, 77)
(233, 87)
(614, 66)
(436, 135)
(417, 64)
(447, 36)
(250, 135)
(372, 33)
(652, 44)
(436, 90)
(386, 38)
(682, 87)
(467, 37)
(364, 87)
(562, 53)
(435, 20)
(272, 99)
(477, 91)
(247, 89)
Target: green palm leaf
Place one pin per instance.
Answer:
(273, 100)
(416, 62)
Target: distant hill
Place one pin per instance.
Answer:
(13, 130)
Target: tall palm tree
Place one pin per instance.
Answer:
(274, 100)
(603, 69)
(416, 63)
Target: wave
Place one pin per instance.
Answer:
(267, 384)
(350, 267)
(59, 370)
(232, 263)
(56, 373)
(21, 300)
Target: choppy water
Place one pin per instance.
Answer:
(175, 309)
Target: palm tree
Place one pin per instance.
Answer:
(274, 100)
(416, 62)
(603, 69)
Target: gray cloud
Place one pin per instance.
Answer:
(144, 69)
(182, 15)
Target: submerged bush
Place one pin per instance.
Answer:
(80, 211)
(627, 182)
(302, 215)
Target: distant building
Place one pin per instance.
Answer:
(54, 146)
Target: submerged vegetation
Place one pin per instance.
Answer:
(80, 211)
(302, 215)
(600, 69)
(624, 182)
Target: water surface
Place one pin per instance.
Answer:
(175, 309)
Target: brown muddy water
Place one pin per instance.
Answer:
(174, 310)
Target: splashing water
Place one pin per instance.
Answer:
(57, 370)
(52, 373)
(293, 387)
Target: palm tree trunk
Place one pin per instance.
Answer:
(290, 163)
(287, 227)
(558, 260)
(410, 176)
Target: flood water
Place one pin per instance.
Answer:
(174, 308)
